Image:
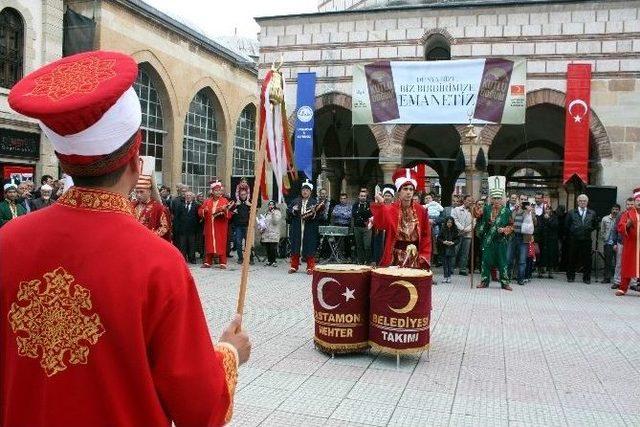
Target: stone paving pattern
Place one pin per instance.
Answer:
(548, 353)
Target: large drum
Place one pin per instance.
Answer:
(341, 307)
(400, 310)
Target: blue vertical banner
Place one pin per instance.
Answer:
(305, 107)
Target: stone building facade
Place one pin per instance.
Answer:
(549, 34)
(33, 37)
(198, 97)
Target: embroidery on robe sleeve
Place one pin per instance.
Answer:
(230, 365)
(56, 324)
(164, 225)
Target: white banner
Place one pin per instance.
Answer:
(487, 90)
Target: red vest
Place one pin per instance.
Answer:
(387, 217)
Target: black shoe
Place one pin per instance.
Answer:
(634, 288)
(614, 286)
(463, 273)
(606, 281)
(251, 262)
(240, 261)
(521, 283)
(586, 281)
(571, 280)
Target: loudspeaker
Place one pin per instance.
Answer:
(602, 198)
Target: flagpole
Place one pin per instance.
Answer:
(251, 230)
(473, 233)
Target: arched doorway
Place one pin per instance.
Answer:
(537, 146)
(437, 146)
(347, 155)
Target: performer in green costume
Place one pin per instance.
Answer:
(494, 230)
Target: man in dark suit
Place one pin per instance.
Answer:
(45, 198)
(580, 224)
(325, 219)
(24, 196)
(186, 226)
(165, 196)
(176, 204)
(45, 180)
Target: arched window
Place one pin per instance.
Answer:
(200, 144)
(11, 47)
(153, 131)
(244, 143)
(437, 48)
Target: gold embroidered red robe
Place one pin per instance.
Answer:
(216, 224)
(101, 325)
(631, 242)
(155, 216)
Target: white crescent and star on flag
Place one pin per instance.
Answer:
(577, 117)
(349, 294)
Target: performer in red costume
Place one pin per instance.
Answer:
(629, 229)
(100, 321)
(216, 212)
(148, 206)
(406, 225)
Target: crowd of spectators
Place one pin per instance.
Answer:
(544, 242)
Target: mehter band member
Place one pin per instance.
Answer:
(148, 207)
(9, 207)
(494, 231)
(406, 225)
(101, 323)
(303, 231)
(629, 229)
(216, 212)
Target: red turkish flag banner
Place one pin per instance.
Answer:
(576, 130)
(421, 172)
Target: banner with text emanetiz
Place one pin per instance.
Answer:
(491, 90)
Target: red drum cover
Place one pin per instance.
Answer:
(341, 307)
(400, 310)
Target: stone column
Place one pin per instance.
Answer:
(470, 148)
(387, 170)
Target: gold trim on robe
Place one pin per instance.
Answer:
(230, 364)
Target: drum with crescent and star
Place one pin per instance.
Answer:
(400, 310)
(341, 307)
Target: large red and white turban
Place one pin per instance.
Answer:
(87, 108)
(404, 176)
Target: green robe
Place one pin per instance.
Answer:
(5, 212)
(494, 245)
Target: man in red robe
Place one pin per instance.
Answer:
(148, 207)
(629, 229)
(216, 212)
(406, 225)
(100, 321)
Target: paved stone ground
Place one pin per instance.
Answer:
(549, 353)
